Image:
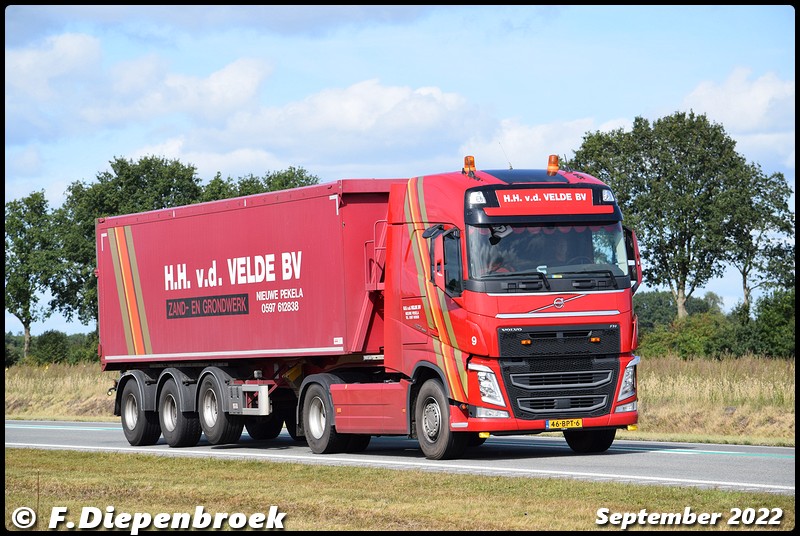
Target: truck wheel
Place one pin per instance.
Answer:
(220, 427)
(432, 416)
(266, 427)
(180, 429)
(590, 441)
(141, 427)
(317, 416)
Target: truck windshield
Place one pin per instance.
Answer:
(496, 251)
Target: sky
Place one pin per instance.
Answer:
(378, 91)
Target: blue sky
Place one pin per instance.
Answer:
(378, 91)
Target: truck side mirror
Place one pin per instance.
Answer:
(634, 260)
(431, 233)
(445, 258)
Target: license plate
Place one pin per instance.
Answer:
(560, 424)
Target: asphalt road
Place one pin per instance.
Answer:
(710, 466)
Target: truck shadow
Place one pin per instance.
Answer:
(495, 448)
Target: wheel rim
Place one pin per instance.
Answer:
(170, 413)
(210, 410)
(431, 419)
(131, 412)
(317, 417)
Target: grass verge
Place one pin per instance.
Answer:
(335, 498)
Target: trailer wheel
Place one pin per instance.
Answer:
(590, 441)
(220, 427)
(432, 415)
(266, 427)
(317, 416)
(180, 429)
(141, 427)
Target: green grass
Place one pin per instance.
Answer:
(318, 497)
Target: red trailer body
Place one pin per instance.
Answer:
(270, 275)
(375, 307)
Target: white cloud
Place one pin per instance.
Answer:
(745, 105)
(137, 76)
(526, 146)
(766, 144)
(24, 162)
(371, 107)
(146, 91)
(235, 163)
(36, 72)
(228, 89)
(366, 118)
(44, 82)
(758, 113)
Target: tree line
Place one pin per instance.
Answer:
(697, 206)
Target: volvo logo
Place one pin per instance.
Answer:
(558, 303)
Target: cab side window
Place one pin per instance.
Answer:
(452, 264)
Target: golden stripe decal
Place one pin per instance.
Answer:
(148, 348)
(447, 356)
(126, 271)
(126, 324)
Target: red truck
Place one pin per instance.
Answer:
(445, 307)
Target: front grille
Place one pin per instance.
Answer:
(548, 380)
(567, 386)
(541, 408)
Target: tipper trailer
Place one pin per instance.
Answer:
(443, 307)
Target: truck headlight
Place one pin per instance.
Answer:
(628, 387)
(487, 382)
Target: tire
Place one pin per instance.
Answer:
(590, 441)
(290, 419)
(266, 427)
(320, 434)
(180, 429)
(141, 427)
(220, 428)
(432, 417)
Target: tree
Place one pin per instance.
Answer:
(14, 344)
(760, 233)
(130, 187)
(775, 323)
(219, 188)
(671, 180)
(292, 177)
(274, 181)
(653, 309)
(51, 347)
(29, 260)
(656, 309)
